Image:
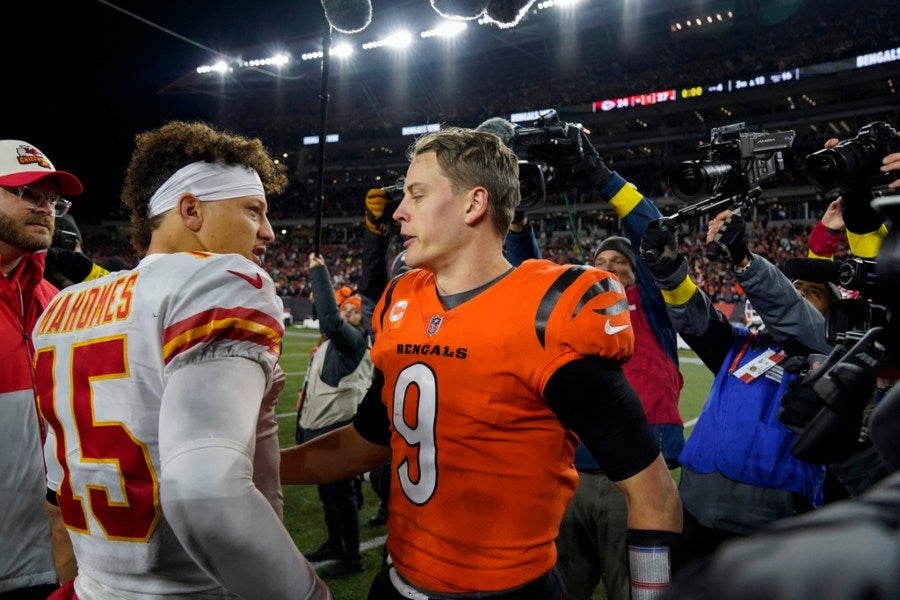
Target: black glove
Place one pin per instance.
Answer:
(591, 167)
(827, 411)
(659, 248)
(730, 242)
(519, 218)
(799, 404)
(72, 265)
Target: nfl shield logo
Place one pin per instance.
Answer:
(434, 324)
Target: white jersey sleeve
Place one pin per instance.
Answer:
(105, 354)
(224, 522)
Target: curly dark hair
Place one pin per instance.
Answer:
(159, 153)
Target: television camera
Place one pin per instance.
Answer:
(736, 162)
(551, 149)
(849, 319)
(865, 333)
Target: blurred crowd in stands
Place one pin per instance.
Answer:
(742, 49)
(343, 249)
(746, 47)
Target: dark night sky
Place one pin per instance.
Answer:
(81, 78)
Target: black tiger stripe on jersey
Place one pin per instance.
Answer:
(601, 287)
(551, 297)
(388, 295)
(562, 283)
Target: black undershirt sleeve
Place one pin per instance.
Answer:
(371, 419)
(592, 398)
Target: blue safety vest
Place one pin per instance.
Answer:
(738, 432)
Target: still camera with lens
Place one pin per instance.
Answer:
(857, 160)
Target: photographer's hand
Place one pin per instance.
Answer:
(728, 232)
(833, 218)
(591, 167)
(315, 260)
(519, 222)
(889, 163)
(659, 248)
(376, 202)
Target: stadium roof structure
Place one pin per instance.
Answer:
(537, 38)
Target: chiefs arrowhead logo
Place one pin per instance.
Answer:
(255, 282)
(28, 155)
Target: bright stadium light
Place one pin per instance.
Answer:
(398, 39)
(342, 50)
(559, 3)
(277, 60)
(219, 67)
(445, 29)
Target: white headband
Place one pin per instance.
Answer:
(207, 181)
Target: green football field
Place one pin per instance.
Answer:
(303, 511)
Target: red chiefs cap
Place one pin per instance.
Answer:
(23, 164)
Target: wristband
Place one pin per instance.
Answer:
(653, 556)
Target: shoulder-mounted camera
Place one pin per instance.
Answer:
(551, 148)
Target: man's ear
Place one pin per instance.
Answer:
(190, 209)
(476, 205)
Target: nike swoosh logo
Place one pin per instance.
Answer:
(257, 281)
(614, 329)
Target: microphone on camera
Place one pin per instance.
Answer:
(348, 16)
(500, 127)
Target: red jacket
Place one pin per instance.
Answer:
(650, 371)
(24, 293)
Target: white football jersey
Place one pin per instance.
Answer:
(104, 352)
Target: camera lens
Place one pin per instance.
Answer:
(847, 275)
(692, 180)
(532, 184)
(825, 169)
(831, 167)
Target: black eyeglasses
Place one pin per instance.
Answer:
(37, 198)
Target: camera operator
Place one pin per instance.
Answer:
(591, 542)
(849, 549)
(856, 166)
(852, 458)
(738, 474)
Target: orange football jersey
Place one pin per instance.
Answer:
(482, 466)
